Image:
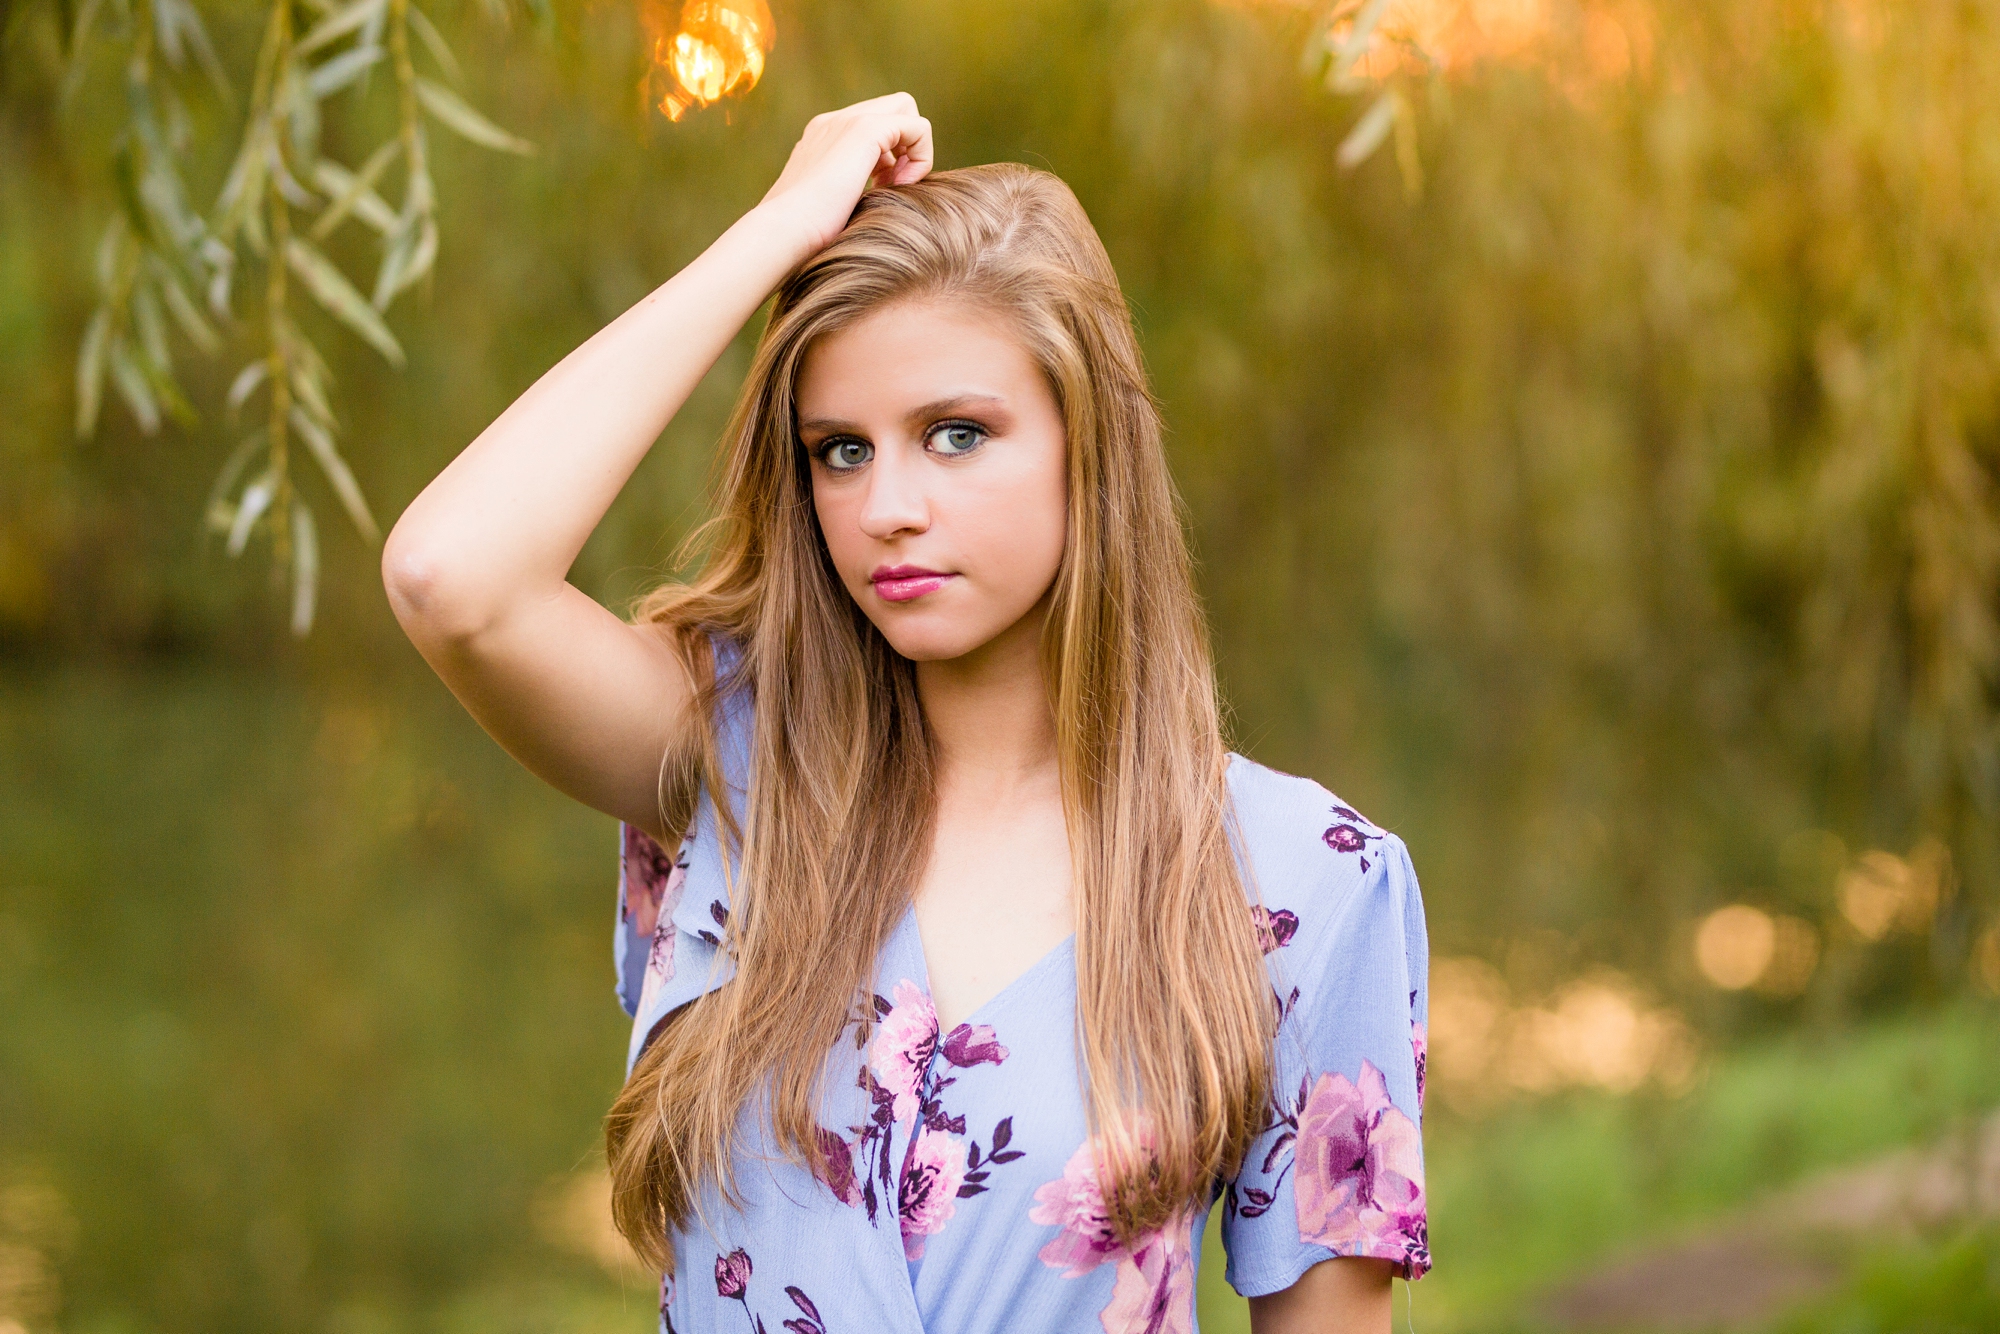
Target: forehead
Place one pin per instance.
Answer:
(914, 352)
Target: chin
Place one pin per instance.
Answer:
(932, 643)
(935, 635)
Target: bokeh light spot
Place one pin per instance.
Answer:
(1734, 945)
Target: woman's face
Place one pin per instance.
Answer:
(938, 473)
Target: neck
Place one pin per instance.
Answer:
(988, 713)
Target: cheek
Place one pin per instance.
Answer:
(1019, 524)
(834, 507)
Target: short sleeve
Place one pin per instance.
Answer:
(667, 946)
(1339, 1168)
(650, 885)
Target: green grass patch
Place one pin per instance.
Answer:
(1948, 1286)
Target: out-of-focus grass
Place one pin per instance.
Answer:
(1947, 1286)
(1528, 1197)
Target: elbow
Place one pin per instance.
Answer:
(427, 592)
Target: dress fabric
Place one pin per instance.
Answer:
(963, 1197)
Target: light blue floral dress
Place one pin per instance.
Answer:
(963, 1197)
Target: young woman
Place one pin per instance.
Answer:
(983, 970)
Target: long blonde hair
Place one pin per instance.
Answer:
(1174, 1012)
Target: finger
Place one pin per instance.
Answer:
(914, 149)
(903, 135)
(884, 170)
(896, 104)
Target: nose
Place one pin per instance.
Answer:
(895, 505)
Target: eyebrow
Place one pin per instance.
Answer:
(956, 403)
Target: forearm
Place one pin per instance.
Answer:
(505, 520)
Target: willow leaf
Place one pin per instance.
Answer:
(413, 260)
(302, 120)
(132, 386)
(335, 74)
(337, 25)
(256, 499)
(1368, 132)
(433, 40)
(246, 382)
(459, 117)
(167, 31)
(150, 323)
(196, 329)
(389, 278)
(305, 568)
(220, 514)
(1356, 43)
(310, 392)
(90, 370)
(337, 473)
(110, 249)
(301, 350)
(188, 19)
(331, 289)
(236, 207)
(354, 192)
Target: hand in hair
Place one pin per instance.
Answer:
(477, 567)
(882, 141)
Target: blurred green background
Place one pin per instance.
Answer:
(1599, 484)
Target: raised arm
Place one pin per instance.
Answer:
(477, 567)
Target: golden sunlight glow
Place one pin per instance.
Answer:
(1882, 892)
(1597, 1031)
(711, 50)
(1740, 946)
(1591, 39)
(1734, 945)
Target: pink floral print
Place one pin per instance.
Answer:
(973, 1044)
(904, 1085)
(1350, 833)
(1076, 1205)
(903, 1048)
(1274, 929)
(732, 1283)
(1418, 1045)
(654, 883)
(928, 1194)
(1359, 1185)
(650, 875)
(837, 1161)
(732, 1274)
(1154, 1289)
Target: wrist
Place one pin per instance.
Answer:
(781, 231)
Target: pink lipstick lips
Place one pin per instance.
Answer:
(901, 583)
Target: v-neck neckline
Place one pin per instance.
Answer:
(1054, 954)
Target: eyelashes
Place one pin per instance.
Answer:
(845, 453)
(843, 445)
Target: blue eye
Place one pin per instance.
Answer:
(956, 438)
(846, 455)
